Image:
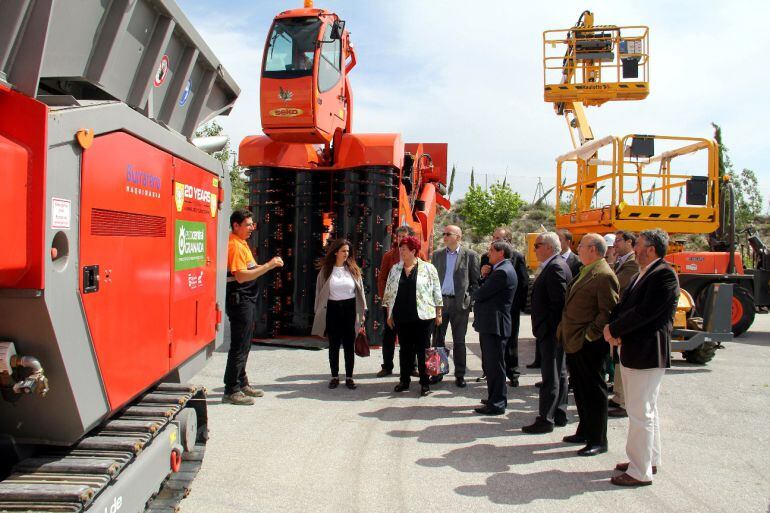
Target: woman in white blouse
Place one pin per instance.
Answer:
(340, 307)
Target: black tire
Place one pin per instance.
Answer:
(746, 300)
(702, 354)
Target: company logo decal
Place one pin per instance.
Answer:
(285, 94)
(190, 247)
(142, 183)
(195, 280)
(179, 195)
(194, 199)
(286, 112)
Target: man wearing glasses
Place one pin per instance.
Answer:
(458, 271)
(519, 302)
(548, 294)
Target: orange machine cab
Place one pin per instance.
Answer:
(304, 95)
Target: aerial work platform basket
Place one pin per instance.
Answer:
(618, 183)
(596, 64)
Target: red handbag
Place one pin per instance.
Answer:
(361, 346)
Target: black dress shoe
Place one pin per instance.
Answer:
(401, 387)
(538, 384)
(539, 427)
(617, 413)
(574, 439)
(436, 379)
(534, 365)
(613, 404)
(592, 450)
(560, 422)
(460, 382)
(384, 372)
(489, 410)
(514, 382)
(424, 390)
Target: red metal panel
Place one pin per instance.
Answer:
(126, 199)
(260, 150)
(704, 262)
(13, 176)
(438, 155)
(193, 281)
(23, 128)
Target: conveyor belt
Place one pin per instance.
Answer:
(71, 480)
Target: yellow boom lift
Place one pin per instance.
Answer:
(620, 182)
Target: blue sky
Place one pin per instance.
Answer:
(470, 74)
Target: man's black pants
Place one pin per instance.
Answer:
(586, 368)
(552, 406)
(388, 345)
(512, 348)
(493, 365)
(242, 316)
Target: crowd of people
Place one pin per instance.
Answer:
(606, 309)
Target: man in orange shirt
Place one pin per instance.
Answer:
(389, 259)
(241, 307)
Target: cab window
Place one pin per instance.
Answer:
(329, 71)
(291, 48)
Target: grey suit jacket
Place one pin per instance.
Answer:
(466, 272)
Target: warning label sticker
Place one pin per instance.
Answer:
(61, 213)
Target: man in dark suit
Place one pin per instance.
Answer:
(591, 296)
(641, 326)
(458, 271)
(574, 264)
(492, 319)
(573, 261)
(519, 302)
(626, 268)
(548, 293)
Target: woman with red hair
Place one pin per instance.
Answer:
(413, 301)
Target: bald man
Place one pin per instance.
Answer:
(591, 296)
(458, 270)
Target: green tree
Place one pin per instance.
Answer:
(748, 199)
(451, 182)
(473, 180)
(239, 198)
(485, 210)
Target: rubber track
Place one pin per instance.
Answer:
(70, 480)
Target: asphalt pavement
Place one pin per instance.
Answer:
(305, 448)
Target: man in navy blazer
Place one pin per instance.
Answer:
(640, 326)
(492, 319)
(548, 296)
